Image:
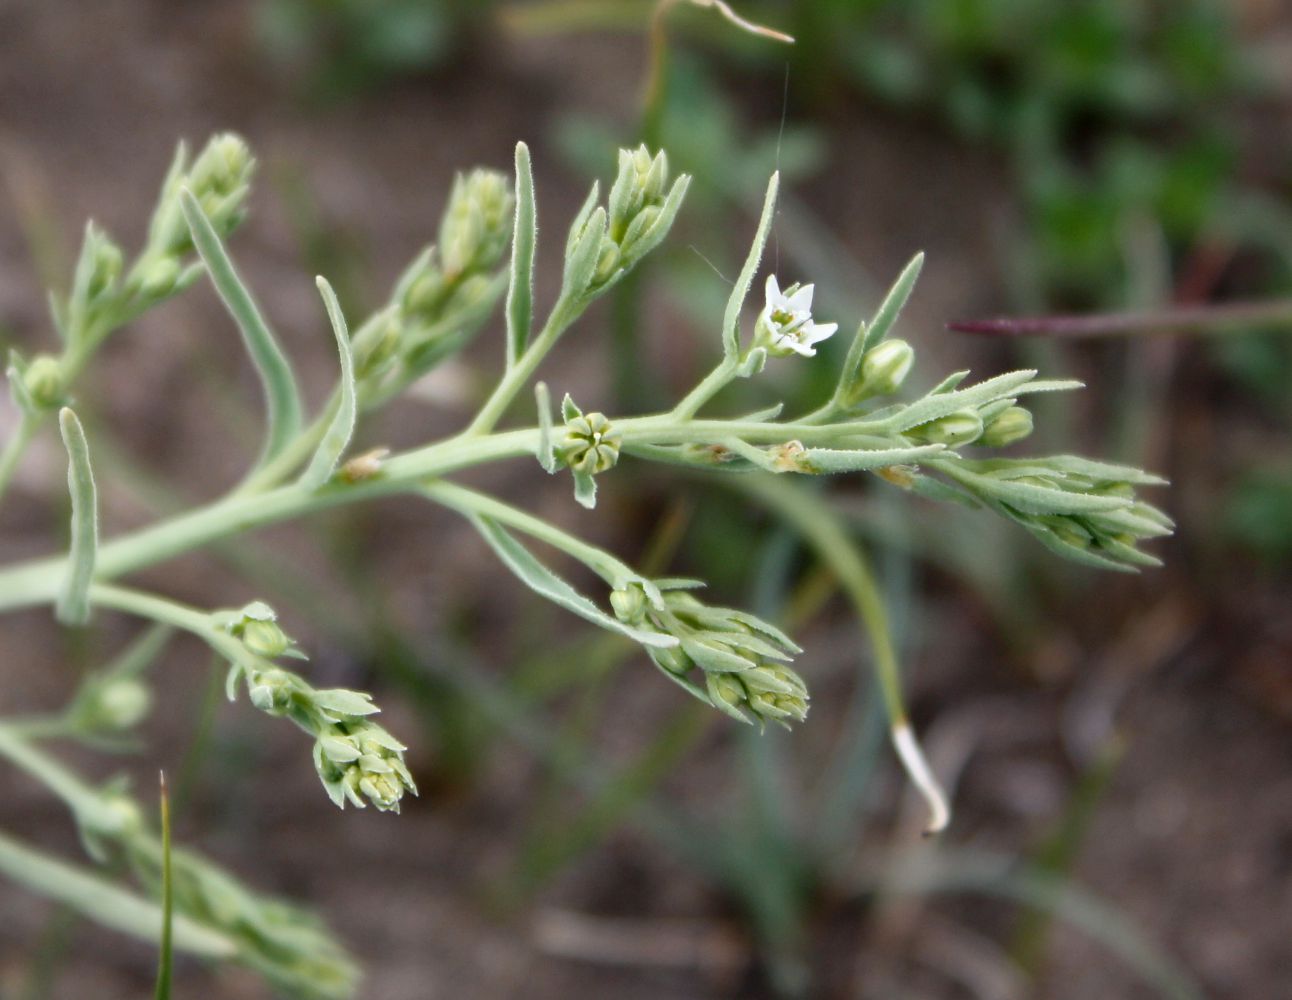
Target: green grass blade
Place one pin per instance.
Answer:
(281, 395)
(73, 607)
(520, 293)
(731, 318)
(337, 436)
(165, 960)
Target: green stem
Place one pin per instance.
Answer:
(713, 383)
(15, 448)
(520, 373)
(468, 501)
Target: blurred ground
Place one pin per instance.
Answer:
(1192, 839)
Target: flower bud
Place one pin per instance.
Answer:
(271, 691)
(157, 280)
(44, 381)
(1012, 425)
(607, 263)
(222, 168)
(883, 370)
(725, 689)
(629, 603)
(105, 265)
(476, 224)
(961, 427)
(119, 704)
(672, 659)
(640, 184)
(265, 638)
(591, 445)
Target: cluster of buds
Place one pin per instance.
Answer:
(995, 426)
(220, 180)
(1086, 510)
(590, 446)
(449, 290)
(286, 944)
(355, 758)
(605, 243)
(743, 659)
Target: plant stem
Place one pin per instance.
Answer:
(14, 449)
(515, 378)
(713, 383)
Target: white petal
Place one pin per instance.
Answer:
(773, 290)
(801, 301)
(817, 332)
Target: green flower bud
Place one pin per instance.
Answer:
(476, 226)
(119, 704)
(607, 263)
(376, 344)
(961, 427)
(883, 370)
(629, 603)
(1012, 425)
(591, 445)
(158, 278)
(271, 691)
(426, 293)
(222, 168)
(44, 381)
(725, 689)
(641, 183)
(673, 659)
(105, 267)
(265, 638)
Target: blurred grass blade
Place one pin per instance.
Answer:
(520, 293)
(972, 871)
(337, 437)
(103, 902)
(281, 395)
(73, 607)
(164, 962)
(731, 317)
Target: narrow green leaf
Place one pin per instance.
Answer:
(164, 962)
(934, 406)
(581, 217)
(281, 395)
(731, 317)
(870, 334)
(520, 293)
(547, 584)
(581, 263)
(829, 461)
(546, 450)
(891, 308)
(337, 437)
(73, 606)
(102, 901)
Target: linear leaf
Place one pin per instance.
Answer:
(731, 317)
(102, 901)
(547, 584)
(546, 450)
(520, 293)
(281, 395)
(73, 606)
(870, 334)
(337, 436)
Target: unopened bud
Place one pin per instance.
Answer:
(120, 704)
(883, 370)
(629, 604)
(1012, 425)
(265, 638)
(591, 444)
(44, 381)
(957, 428)
(157, 280)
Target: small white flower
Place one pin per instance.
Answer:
(786, 321)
